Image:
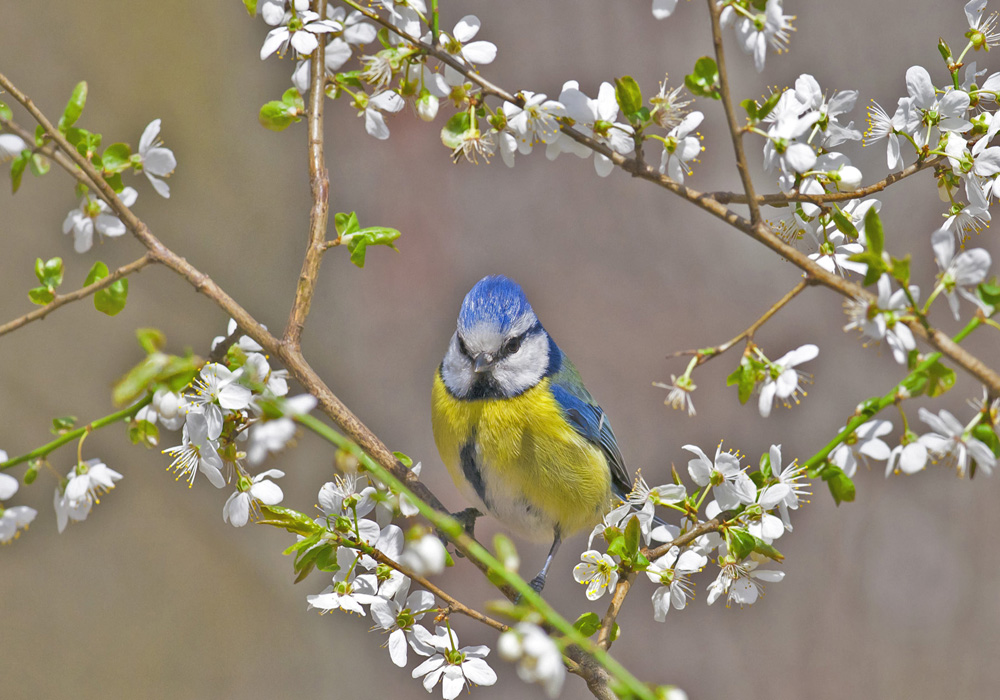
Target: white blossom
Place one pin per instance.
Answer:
(959, 273)
(157, 161)
(597, 571)
(863, 444)
(249, 493)
(730, 484)
(455, 667)
(538, 657)
(782, 381)
(94, 215)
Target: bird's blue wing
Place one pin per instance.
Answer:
(590, 421)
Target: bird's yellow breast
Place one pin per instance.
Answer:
(528, 466)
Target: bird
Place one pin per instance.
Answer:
(517, 429)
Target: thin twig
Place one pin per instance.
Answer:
(704, 355)
(63, 299)
(780, 198)
(319, 185)
(453, 603)
(734, 131)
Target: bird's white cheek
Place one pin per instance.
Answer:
(525, 368)
(456, 371)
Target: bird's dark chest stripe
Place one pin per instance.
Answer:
(471, 470)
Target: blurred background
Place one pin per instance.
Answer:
(154, 596)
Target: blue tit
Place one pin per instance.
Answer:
(521, 436)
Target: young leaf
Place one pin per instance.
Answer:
(873, 231)
(844, 225)
(5, 112)
(98, 272)
(116, 158)
(358, 243)
(346, 224)
(111, 299)
(251, 6)
(629, 95)
(41, 295)
(841, 486)
(62, 425)
(39, 164)
(17, 167)
(74, 108)
(587, 624)
(704, 79)
(277, 116)
(453, 131)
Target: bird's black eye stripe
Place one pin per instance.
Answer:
(462, 349)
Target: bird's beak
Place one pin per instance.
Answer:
(482, 362)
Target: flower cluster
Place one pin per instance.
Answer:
(93, 215)
(231, 417)
(12, 518)
(754, 508)
(375, 582)
(757, 26)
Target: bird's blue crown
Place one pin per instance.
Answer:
(495, 300)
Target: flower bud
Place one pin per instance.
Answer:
(427, 106)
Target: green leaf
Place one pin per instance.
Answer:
(295, 522)
(116, 182)
(453, 132)
(293, 98)
(739, 542)
(844, 224)
(841, 486)
(157, 369)
(615, 631)
(915, 383)
(703, 82)
(876, 266)
(41, 295)
(751, 107)
(587, 624)
(49, 272)
(346, 224)
(769, 104)
(901, 269)
(632, 537)
(406, 460)
(629, 96)
(5, 112)
(62, 425)
(745, 377)
(98, 272)
(277, 116)
(111, 300)
(762, 547)
(17, 167)
(989, 292)
(984, 433)
(116, 158)
(374, 235)
(251, 6)
(940, 379)
(39, 164)
(873, 231)
(143, 432)
(74, 108)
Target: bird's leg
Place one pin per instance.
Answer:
(538, 583)
(468, 519)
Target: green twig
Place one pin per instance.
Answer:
(79, 432)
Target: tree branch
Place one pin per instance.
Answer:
(734, 131)
(63, 299)
(781, 198)
(705, 355)
(319, 184)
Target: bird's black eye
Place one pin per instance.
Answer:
(512, 345)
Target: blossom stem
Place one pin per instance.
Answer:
(78, 433)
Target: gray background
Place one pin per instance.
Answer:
(892, 596)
